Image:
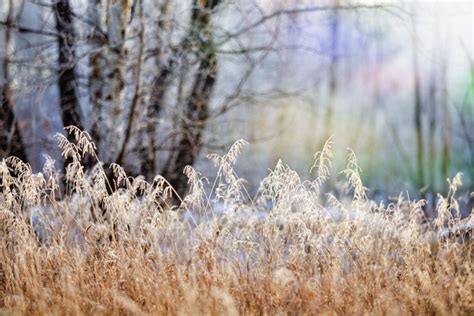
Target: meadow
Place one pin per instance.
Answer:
(109, 245)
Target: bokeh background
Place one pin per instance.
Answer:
(393, 80)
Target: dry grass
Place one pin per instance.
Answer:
(90, 252)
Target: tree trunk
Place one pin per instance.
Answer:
(196, 109)
(419, 134)
(152, 110)
(137, 96)
(418, 123)
(433, 113)
(11, 141)
(107, 80)
(447, 126)
(70, 108)
(69, 103)
(96, 78)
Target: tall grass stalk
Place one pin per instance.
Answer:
(100, 250)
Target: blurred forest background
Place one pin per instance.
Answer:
(158, 84)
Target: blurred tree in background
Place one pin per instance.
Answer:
(157, 83)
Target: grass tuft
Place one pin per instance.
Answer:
(92, 250)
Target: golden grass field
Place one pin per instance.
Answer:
(288, 250)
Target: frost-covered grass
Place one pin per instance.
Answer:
(220, 251)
